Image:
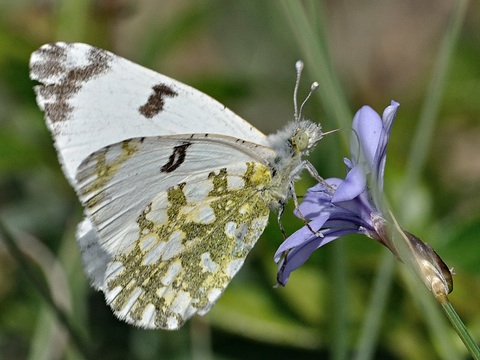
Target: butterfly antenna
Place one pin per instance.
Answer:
(313, 88)
(299, 68)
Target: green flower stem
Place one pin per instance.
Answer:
(424, 267)
(460, 329)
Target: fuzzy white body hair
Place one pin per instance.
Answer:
(290, 143)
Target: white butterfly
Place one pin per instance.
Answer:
(176, 187)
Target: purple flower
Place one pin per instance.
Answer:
(355, 204)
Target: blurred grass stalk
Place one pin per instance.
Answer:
(54, 294)
(310, 35)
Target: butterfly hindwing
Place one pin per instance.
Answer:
(175, 244)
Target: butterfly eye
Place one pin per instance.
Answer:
(301, 140)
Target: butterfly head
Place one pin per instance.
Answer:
(305, 136)
(299, 136)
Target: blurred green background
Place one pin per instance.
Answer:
(351, 299)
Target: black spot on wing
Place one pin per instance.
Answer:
(156, 100)
(177, 158)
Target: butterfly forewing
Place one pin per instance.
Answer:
(93, 98)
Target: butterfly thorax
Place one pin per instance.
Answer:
(292, 142)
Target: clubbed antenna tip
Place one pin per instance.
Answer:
(299, 66)
(298, 113)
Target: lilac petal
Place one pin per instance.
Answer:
(318, 198)
(298, 256)
(312, 206)
(389, 115)
(349, 163)
(347, 223)
(292, 263)
(300, 236)
(381, 154)
(326, 185)
(367, 126)
(354, 184)
(358, 210)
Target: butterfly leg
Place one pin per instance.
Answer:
(305, 164)
(312, 171)
(281, 209)
(299, 213)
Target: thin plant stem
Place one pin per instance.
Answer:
(461, 330)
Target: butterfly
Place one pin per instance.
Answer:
(176, 188)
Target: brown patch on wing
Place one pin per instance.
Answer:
(53, 62)
(156, 101)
